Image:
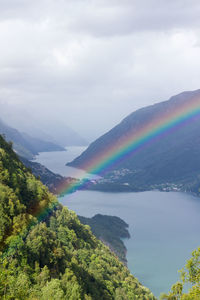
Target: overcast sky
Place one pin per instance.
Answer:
(90, 63)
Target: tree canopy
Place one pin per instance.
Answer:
(45, 251)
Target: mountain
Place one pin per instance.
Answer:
(169, 161)
(51, 180)
(24, 144)
(45, 252)
(47, 177)
(64, 135)
(46, 128)
(110, 230)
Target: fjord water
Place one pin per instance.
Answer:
(164, 227)
(56, 161)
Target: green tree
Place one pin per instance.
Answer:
(190, 275)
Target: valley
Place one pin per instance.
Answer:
(151, 248)
(137, 185)
(45, 252)
(155, 147)
(99, 150)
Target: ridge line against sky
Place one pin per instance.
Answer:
(157, 127)
(91, 63)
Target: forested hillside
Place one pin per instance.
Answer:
(47, 177)
(110, 230)
(46, 253)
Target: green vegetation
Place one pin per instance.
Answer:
(110, 230)
(47, 177)
(45, 252)
(190, 275)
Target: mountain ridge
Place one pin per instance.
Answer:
(24, 144)
(47, 129)
(161, 161)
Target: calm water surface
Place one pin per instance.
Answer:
(164, 227)
(56, 162)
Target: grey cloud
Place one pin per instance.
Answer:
(19, 9)
(94, 61)
(106, 18)
(127, 17)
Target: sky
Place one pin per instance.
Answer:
(90, 63)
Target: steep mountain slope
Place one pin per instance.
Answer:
(26, 145)
(110, 230)
(45, 252)
(47, 177)
(172, 157)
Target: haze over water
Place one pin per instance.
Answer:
(164, 227)
(56, 162)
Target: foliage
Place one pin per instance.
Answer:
(110, 230)
(47, 177)
(46, 253)
(190, 275)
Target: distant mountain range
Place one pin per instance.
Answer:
(26, 145)
(64, 135)
(170, 162)
(46, 129)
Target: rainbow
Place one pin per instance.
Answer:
(135, 140)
